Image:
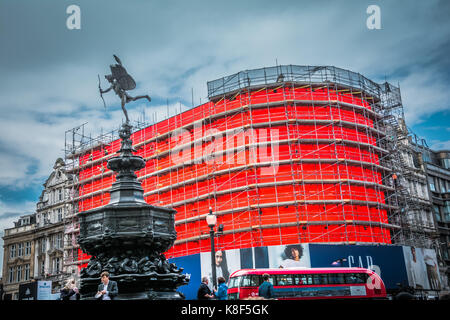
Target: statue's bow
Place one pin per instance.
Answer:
(100, 90)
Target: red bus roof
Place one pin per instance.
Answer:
(299, 270)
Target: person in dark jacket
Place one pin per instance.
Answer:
(107, 290)
(70, 291)
(265, 290)
(204, 293)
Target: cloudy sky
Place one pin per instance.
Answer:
(48, 81)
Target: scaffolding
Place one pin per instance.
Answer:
(415, 211)
(282, 155)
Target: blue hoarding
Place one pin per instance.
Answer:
(191, 265)
(388, 261)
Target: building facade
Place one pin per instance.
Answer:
(18, 256)
(51, 210)
(437, 165)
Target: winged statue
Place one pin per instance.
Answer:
(121, 82)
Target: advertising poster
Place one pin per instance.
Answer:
(191, 265)
(289, 256)
(226, 263)
(387, 261)
(422, 268)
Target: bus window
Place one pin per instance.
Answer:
(316, 279)
(355, 278)
(307, 279)
(234, 282)
(256, 280)
(246, 281)
(336, 278)
(284, 280)
(299, 279)
(323, 278)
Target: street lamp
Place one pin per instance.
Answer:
(211, 220)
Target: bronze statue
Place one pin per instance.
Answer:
(121, 82)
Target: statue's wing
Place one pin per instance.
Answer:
(126, 82)
(117, 59)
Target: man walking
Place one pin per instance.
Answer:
(107, 290)
(265, 290)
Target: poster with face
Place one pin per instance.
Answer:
(422, 268)
(289, 256)
(226, 263)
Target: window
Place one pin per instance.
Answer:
(27, 248)
(285, 280)
(256, 280)
(302, 279)
(42, 267)
(323, 279)
(59, 215)
(11, 275)
(19, 273)
(272, 279)
(250, 281)
(43, 245)
(245, 281)
(431, 183)
(12, 251)
(27, 273)
(234, 282)
(56, 265)
(46, 218)
(355, 278)
(336, 278)
(20, 249)
(447, 212)
(442, 183)
(59, 240)
(446, 163)
(437, 214)
(60, 194)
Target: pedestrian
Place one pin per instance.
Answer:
(222, 290)
(265, 290)
(204, 293)
(107, 290)
(70, 291)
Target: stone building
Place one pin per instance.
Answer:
(18, 257)
(51, 210)
(437, 165)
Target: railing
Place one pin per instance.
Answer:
(291, 73)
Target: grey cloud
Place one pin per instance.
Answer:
(7, 215)
(49, 73)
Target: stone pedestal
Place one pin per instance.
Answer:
(128, 236)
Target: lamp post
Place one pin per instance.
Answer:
(211, 220)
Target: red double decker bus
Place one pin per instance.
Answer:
(309, 283)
